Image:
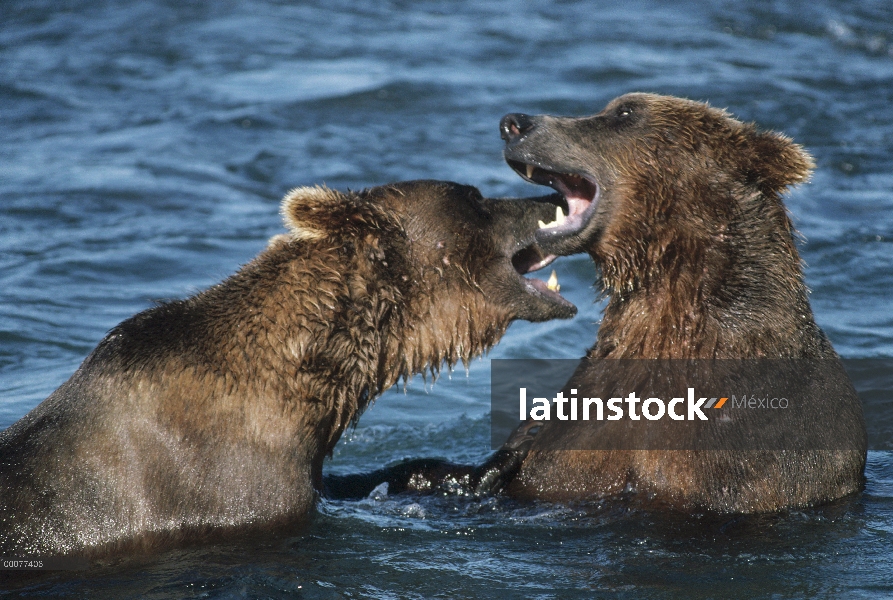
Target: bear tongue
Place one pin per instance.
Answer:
(580, 195)
(578, 192)
(574, 220)
(577, 206)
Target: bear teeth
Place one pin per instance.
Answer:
(530, 170)
(552, 284)
(558, 222)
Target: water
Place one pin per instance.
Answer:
(146, 145)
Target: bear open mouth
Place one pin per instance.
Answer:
(530, 259)
(580, 195)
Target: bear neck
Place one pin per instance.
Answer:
(330, 329)
(424, 336)
(736, 291)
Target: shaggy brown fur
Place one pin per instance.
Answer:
(217, 411)
(680, 206)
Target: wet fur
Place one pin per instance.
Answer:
(698, 260)
(215, 413)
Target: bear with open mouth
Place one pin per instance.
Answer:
(679, 205)
(215, 413)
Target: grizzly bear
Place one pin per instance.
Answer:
(217, 411)
(679, 205)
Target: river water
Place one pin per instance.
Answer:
(145, 147)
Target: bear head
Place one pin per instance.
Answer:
(654, 181)
(442, 244)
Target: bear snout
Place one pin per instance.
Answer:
(515, 126)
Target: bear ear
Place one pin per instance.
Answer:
(777, 162)
(307, 211)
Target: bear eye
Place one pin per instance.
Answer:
(624, 111)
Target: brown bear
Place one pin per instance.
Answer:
(217, 411)
(679, 205)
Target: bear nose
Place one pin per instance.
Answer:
(514, 126)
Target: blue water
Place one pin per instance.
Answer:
(144, 147)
